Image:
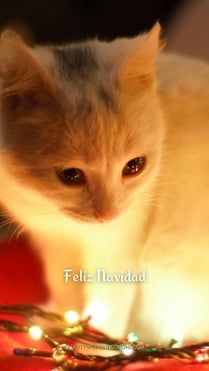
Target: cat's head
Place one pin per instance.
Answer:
(81, 123)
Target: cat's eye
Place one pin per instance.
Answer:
(71, 176)
(134, 166)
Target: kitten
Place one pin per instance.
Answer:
(104, 162)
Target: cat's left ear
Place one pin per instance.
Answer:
(139, 67)
(25, 82)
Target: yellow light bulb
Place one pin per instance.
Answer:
(71, 317)
(35, 332)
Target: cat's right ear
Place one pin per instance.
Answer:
(25, 83)
(132, 60)
(139, 67)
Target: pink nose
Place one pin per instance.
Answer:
(105, 216)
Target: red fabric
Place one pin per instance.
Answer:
(22, 281)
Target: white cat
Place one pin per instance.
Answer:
(104, 161)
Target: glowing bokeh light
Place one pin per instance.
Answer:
(71, 317)
(35, 332)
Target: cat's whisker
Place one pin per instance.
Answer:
(4, 213)
(18, 233)
(4, 223)
(15, 232)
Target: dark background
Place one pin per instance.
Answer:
(66, 20)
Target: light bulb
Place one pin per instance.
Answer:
(35, 332)
(127, 351)
(71, 317)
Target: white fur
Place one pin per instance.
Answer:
(166, 232)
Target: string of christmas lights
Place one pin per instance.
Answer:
(70, 338)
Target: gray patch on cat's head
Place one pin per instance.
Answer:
(80, 65)
(75, 61)
(106, 95)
